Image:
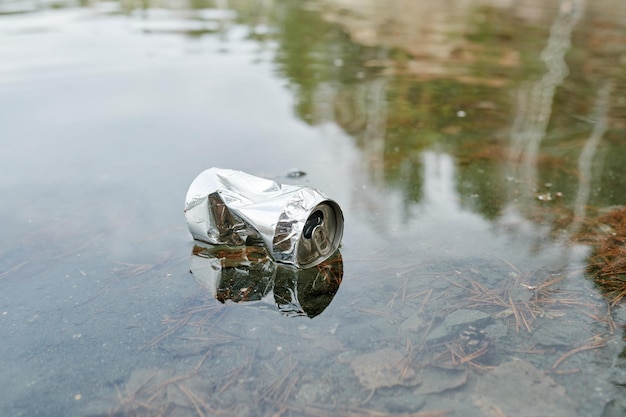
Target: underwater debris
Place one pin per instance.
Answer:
(607, 262)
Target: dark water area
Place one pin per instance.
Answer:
(477, 149)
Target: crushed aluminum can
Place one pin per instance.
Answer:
(297, 224)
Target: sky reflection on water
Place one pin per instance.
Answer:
(470, 147)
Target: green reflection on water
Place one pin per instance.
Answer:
(313, 54)
(469, 115)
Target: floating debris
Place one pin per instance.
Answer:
(549, 196)
(298, 225)
(296, 173)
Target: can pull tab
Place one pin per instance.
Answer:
(315, 229)
(314, 220)
(321, 240)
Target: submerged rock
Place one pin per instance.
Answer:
(384, 368)
(436, 380)
(517, 388)
(614, 408)
(457, 321)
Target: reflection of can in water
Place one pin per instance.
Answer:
(247, 274)
(299, 225)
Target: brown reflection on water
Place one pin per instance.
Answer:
(430, 37)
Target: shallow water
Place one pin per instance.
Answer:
(475, 147)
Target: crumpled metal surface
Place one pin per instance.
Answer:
(297, 224)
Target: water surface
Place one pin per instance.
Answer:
(475, 147)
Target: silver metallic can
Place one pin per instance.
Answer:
(297, 224)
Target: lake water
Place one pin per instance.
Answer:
(477, 149)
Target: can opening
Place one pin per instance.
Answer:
(312, 222)
(321, 234)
